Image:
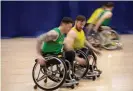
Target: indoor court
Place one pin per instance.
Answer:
(18, 56)
(102, 23)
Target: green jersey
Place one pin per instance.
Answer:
(54, 46)
(106, 21)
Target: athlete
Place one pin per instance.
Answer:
(52, 42)
(100, 18)
(76, 39)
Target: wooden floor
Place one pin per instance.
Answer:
(18, 59)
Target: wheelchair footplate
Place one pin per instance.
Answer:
(70, 83)
(93, 75)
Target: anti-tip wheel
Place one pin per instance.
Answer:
(98, 76)
(77, 84)
(72, 87)
(35, 87)
(93, 78)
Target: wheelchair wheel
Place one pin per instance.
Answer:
(114, 41)
(55, 72)
(115, 35)
(49, 77)
(94, 40)
(81, 71)
(110, 46)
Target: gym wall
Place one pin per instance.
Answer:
(32, 18)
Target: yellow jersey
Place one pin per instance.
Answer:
(79, 42)
(94, 17)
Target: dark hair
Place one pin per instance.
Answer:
(109, 4)
(80, 18)
(67, 20)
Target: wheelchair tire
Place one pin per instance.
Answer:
(51, 88)
(87, 63)
(116, 34)
(115, 41)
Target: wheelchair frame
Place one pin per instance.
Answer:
(100, 40)
(72, 82)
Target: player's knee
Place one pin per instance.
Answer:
(70, 55)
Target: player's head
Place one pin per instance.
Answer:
(80, 22)
(108, 6)
(66, 24)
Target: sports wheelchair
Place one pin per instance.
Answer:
(54, 73)
(89, 70)
(107, 39)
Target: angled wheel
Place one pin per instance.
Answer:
(43, 75)
(114, 41)
(81, 71)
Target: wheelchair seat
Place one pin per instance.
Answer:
(49, 57)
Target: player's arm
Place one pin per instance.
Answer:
(105, 16)
(91, 47)
(46, 37)
(93, 17)
(69, 40)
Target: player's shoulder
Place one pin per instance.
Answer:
(98, 9)
(53, 32)
(72, 33)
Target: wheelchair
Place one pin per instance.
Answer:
(81, 70)
(89, 70)
(107, 39)
(54, 74)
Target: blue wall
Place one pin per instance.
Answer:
(31, 18)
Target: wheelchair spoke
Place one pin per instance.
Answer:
(51, 68)
(41, 78)
(55, 72)
(58, 69)
(42, 70)
(39, 73)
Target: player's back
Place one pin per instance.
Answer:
(95, 15)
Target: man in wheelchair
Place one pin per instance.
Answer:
(76, 40)
(53, 40)
(98, 31)
(51, 43)
(100, 18)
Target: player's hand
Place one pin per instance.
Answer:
(41, 60)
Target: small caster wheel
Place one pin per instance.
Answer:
(98, 76)
(77, 78)
(99, 71)
(72, 87)
(93, 78)
(35, 87)
(77, 84)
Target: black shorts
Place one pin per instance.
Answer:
(89, 51)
